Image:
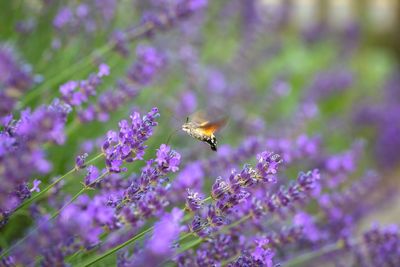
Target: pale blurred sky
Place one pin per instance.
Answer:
(380, 13)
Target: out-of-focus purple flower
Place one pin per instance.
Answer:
(382, 245)
(106, 8)
(75, 17)
(15, 79)
(309, 229)
(187, 7)
(300, 148)
(92, 175)
(190, 176)
(165, 232)
(148, 64)
(63, 17)
(76, 93)
(104, 70)
(160, 246)
(340, 166)
(187, 103)
(21, 149)
(385, 119)
(328, 83)
(263, 253)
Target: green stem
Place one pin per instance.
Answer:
(314, 254)
(55, 214)
(50, 186)
(115, 249)
(189, 245)
(44, 191)
(65, 74)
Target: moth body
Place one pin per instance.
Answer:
(197, 132)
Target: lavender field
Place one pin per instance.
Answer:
(196, 133)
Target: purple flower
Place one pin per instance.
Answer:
(165, 232)
(76, 93)
(307, 223)
(193, 201)
(167, 159)
(185, 8)
(15, 79)
(80, 161)
(104, 70)
(128, 144)
(21, 149)
(325, 84)
(92, 175)
(63, 17)
(149, 62)
(263, 253)
(191, 176)
(35, 186)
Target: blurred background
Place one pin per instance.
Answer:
(279, 70)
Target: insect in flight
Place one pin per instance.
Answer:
(202, 127)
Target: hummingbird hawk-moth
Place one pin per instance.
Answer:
(202, 127)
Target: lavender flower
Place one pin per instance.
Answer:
(149, 62)
(76, 93)
(15, 79)
(383, 246)
(160, 246)
(128, 144)
(80, 161)
(325, 84)
(21, 153)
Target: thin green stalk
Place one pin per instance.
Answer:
(50, 186)
(231, 259)
(65, 74)
(314, 254)
(44, 191)
(54, 215)
(82, 64)
(190, 244)
(115, 249)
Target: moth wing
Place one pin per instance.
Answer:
(199, 117)
(210, 127)
(210, 115)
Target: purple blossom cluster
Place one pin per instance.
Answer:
(131, 198)
(127, 145)
(15, 79)
(119, 202)
(146, 68)
(72, 18)
(75, 93)
(21, 151)
(328, 83)
(231, 192)
(384, 118)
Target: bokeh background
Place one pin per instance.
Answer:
(278, 69)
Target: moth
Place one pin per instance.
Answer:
(203, 126)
